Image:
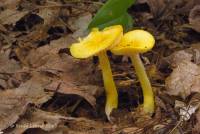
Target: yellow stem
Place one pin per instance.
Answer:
(110, 88)
(145, 83)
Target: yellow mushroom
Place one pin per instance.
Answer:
(133, 43)
(97, 43)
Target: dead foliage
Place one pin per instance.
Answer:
(45, 90)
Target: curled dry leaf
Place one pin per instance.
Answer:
(185, 77)
(73, 76)
(194, 18)
(88, 92)
(77, 77)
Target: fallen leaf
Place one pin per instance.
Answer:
(188, 5)
(156, 6)
(185, 111)
(36, 118)
(88, 92)
(9, 4)
(8, 65)
(11, 16)
(71, 69)
(41, 56)
(2, 28)
(54, 123)
(185, 77)
(86, 126)
(14, 102)
(33, 89)
(48, 14)
(12, 106)
(195, 51)
(194, 18)
(195, 101)
(196, 127)
(73, 76)
(79, 25)
(178, 57)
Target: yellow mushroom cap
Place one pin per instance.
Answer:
(136, 41)
(97, 41)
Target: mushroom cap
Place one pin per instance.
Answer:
(136, 41)
(97, 41)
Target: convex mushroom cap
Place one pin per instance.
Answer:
(97, 41)
(136, 41)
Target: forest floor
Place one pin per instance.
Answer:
(44, 90)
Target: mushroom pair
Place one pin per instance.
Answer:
(130, 44)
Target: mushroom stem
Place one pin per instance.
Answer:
(110, 88)
(148, 96)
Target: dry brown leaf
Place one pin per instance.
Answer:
(40, 56)
(8, 65)
(33, 89)
(72, 70)
(77, 77)
(195, 101)
(86, 126)
(196, 128)
(73, 76)
(36, 118)
(162, 7)
(185, 77)
(12, 106)
(10, 4)
(14, 102)
(49, 15)
(194, 18)
(188, 5)
(80, 24)
(88, 92)
(156, 6)
(11, 16)
(195, 51)
(2, 28)
(166, 8)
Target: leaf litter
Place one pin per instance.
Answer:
(185, 78)
(37, 69)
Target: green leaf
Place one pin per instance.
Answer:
(112, 12)
(125, 20)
